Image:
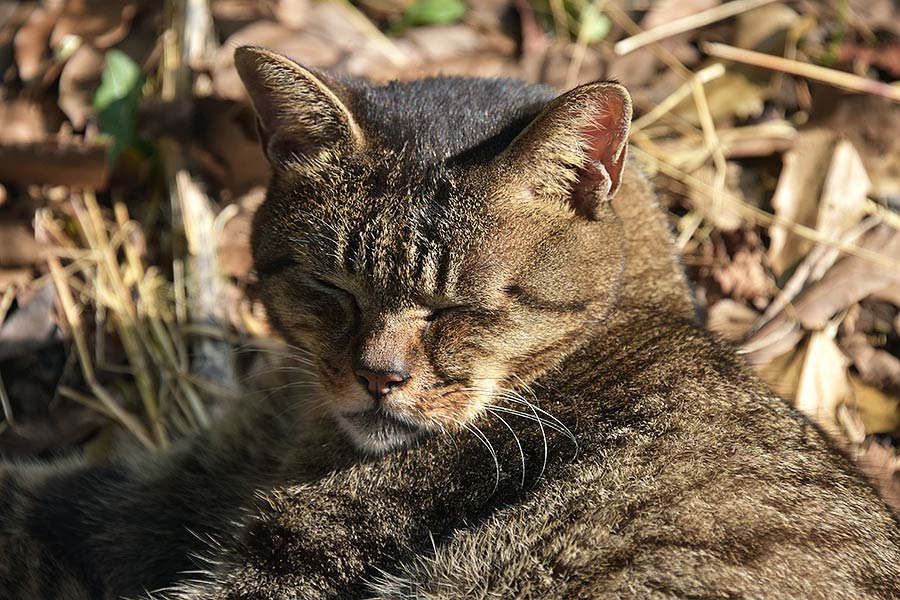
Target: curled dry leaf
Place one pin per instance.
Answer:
(824, 381)
(78, 83)
(717, 213)
(101, 23)
(32, 42)
(850, 280)
(21, 122)
(732, 320)
(735, 261)
(796, 198)
(763, 28)
(30, 327)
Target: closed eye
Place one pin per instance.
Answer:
(338, 292)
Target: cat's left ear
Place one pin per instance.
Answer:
(301, 118)
(574, 150)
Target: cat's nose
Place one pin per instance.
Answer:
(379, 383)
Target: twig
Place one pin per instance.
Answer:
(847, 81)
(688, 23)
(705, 75)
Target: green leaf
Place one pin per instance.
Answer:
(434, 12)
(594, 24)
(116, 101)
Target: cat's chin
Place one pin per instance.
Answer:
(375, 431)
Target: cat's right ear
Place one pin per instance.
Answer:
(300, 117)
(574, 150)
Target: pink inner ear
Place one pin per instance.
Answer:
(605, 138)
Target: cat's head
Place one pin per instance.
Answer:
(433, 244)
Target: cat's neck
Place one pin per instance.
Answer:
(653, 280)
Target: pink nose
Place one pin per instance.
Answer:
(380, 383)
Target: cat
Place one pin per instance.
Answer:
(485, 284)
(519, 402)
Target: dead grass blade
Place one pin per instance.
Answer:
(847, 81)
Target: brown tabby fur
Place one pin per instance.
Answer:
(558, 427)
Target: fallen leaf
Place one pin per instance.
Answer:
(797, 195)
(878, 411)
(824, 381)
(850, 280)
(730, 319)
(32, 43)
(21, 122)
(78, 82)
(100, 23)
(735, 262)
(31, 326)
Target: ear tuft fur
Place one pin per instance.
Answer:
(300, 116)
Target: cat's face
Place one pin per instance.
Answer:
(424, 292)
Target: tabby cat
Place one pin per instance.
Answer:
(520, 402)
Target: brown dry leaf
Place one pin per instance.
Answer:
(78, 82)
(731, 96)
(878, 411)
(824, 381)
(21, 122)
(732, 320)
(796, 198)
(850, 280)
(761, 28)
(306, 48)
(32, 42)
(293, 14)
(19, 248)
(234, 154)
(716, 213)
(875, 366)
(735, 261)
(871, 124)
(100, 23)
(233, 241)
(782, 373)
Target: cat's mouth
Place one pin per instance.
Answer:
(376, 430)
